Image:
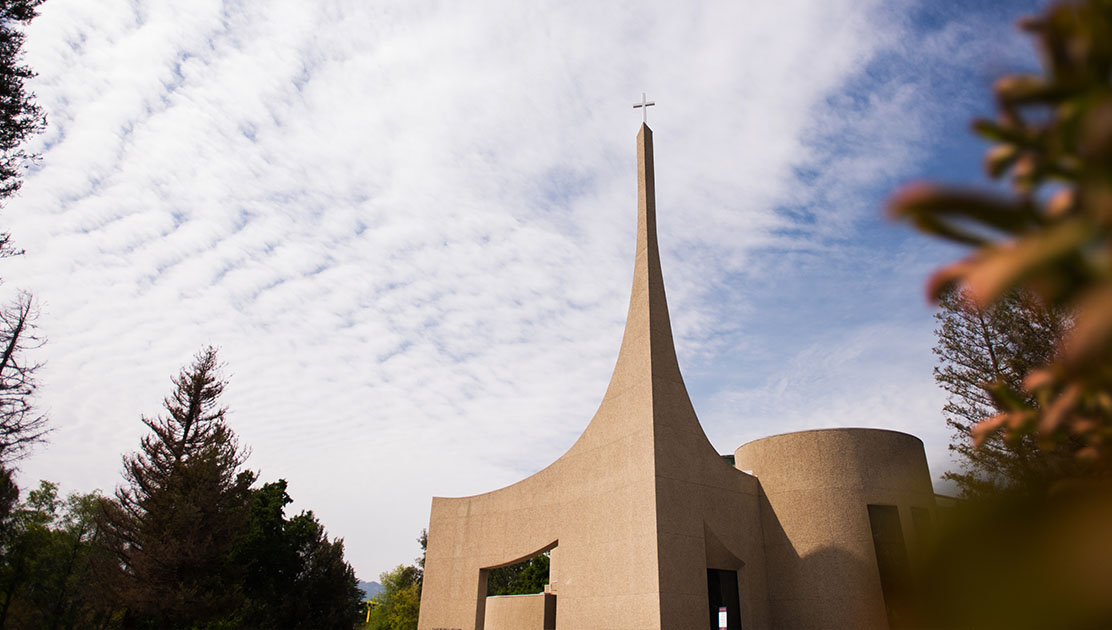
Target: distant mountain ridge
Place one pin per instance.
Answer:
(370, 589)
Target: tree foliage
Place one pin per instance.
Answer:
(293, 576)
(174, 525)
(20, 118)
(1000, 344)
(1052, 235)
(398, 605)
(1017, 560)
(47, 547)
(190, 544)
(21, 426)
(524, 578)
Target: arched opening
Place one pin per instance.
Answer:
(518, 595)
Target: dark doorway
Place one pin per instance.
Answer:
(892, 563)
(722, 593)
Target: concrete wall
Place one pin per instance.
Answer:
(707, 517)
(816, 488)
(521, 612)
(596, 503)
(639, 506)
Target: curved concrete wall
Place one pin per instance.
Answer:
(816, 489)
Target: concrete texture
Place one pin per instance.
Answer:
(521, 612)
(642, 505)
(816, 487)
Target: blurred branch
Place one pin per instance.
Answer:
(1051, 236)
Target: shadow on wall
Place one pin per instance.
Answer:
(817, 580)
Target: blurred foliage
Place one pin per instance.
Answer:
(1014, 562)
(1039, 559)
(1051, 235)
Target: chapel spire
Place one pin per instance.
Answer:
(647, 351)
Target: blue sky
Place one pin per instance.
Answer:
(409, 226)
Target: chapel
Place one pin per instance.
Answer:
(650, 528)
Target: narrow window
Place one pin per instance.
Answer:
(891, 561)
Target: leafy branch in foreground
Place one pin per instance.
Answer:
(1051, 236)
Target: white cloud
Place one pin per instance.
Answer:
(409, 225)
(877, 376)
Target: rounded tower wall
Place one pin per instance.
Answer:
(820, 531)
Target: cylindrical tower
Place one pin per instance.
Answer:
(843, 512)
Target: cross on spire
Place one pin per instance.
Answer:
(644, 105)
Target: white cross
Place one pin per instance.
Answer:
(644, 105)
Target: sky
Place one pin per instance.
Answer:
(408, 226)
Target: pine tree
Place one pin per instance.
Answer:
(173, 526)
(20, 116)
(982, 349)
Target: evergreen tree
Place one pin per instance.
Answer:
(173, 526)
(981, 350)
(20, 118)
(9, 496)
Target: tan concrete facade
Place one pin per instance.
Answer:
(816, 487)
(521, 612)
(641, 506)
